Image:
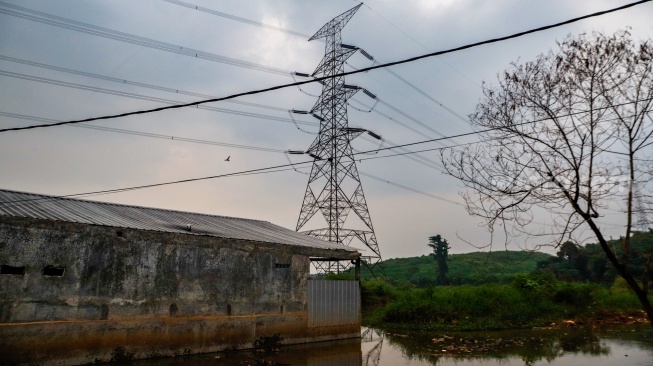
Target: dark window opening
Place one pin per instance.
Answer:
(173, 309)
(104, 312)
(53, 271)
(11, 270)
(119, 233)
(282, 265)
(228, 309)
(281, 309)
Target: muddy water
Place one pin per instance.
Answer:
(572, 346)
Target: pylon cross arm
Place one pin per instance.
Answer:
(336, 24)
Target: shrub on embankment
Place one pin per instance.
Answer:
(529, 301)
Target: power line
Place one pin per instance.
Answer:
(408, 154)
(49, 19)
(365, 69)
(417, 89)
(149, 98)
(466, 134)
(394, 120)
(405, 187)
(133, 188)
(424, 125)
(490, 129)
(291, 166)
(420, 91)
(120, 190)
(405, 152)
(419, 44)
(237, 18)
(134, 83)
(243, 173)
(306, 36)
(411, 189)
(147, 134)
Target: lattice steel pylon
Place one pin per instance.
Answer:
(334, 188)
(642, 223)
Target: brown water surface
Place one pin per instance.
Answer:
(631, 345)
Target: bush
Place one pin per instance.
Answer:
(377, 292)
(466, 307)
(619, 297)
(574, 295)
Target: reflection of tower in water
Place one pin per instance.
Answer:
(373, 356)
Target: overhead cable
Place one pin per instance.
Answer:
(414, 87)
(237, 18)
(418, 43)
(293, 165)
(134, 83)
(49, 19)
(306, 36)
(146, 134)
(149, 98)
(411, 189)
(365, 69)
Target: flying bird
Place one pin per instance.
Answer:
(228, 157)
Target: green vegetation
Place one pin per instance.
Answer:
(589, 264)
(507, 289)
(530, 301)
(464, 269)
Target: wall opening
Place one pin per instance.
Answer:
(173, 309)
(282, 265)
(52, 271)
(228, 309)
(281, 309)
(6, 269)
(104, 312)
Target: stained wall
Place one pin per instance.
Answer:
(99, 293)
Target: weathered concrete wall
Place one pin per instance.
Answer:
(146, 293)
(120, 273)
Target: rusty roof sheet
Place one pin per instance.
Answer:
(39, 206)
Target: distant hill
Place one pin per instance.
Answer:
(468, 268)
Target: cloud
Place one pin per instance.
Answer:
(69, 160)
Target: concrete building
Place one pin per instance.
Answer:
(84, 281)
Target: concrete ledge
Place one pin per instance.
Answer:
(78, 342)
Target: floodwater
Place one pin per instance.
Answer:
(623, 346)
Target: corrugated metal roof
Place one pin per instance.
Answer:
(38, 206)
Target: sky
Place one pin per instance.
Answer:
(409, 199)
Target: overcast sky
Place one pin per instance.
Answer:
(67, 160)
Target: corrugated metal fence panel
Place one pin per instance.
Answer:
(333, 303)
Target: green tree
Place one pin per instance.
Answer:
(567, 135)
(440, 253)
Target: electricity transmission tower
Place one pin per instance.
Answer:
(334, 188)
(640, 208)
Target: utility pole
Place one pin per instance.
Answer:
(334, 188)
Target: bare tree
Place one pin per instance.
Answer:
(569, 133)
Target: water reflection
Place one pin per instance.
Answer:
(373, 355)
(528, 347)
(629, 346)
